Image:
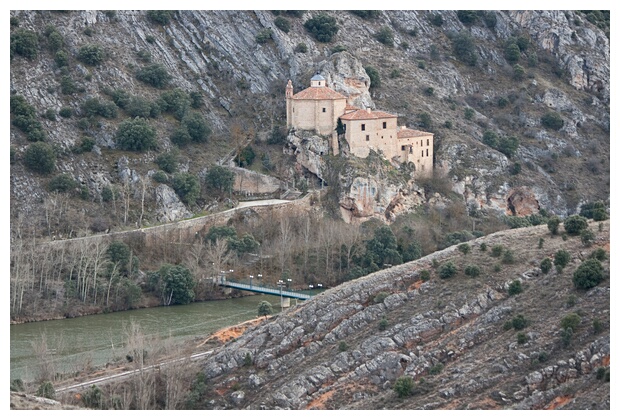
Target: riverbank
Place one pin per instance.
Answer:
(79, 310)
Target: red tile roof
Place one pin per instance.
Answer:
(318, 93)
(350, 108)
(362, 114)
(408, 132)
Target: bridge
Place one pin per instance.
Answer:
(265, 290)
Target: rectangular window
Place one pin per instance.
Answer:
(384, 124)
(402, 147)
(422, 153)
(367, 137)
(344, 126)
(427, 140)
(426, 152)
(324, 110)
(363, 127)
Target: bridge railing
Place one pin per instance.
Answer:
(264, 289)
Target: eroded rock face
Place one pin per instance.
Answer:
(250, 182)
(330, 353)
(345, 74)
(521, 201)
(170, 208)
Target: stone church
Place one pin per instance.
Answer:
(318, 108)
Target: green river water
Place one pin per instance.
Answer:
(98, 339)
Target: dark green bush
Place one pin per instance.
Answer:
(86, 145)
(561, 258)
(197, 127)
(383, 324)
(521, 338)
(436, 19)
(472, 270)
(373, 74)
(515, 288)
(425, 275)
(66, 112)
(342, 346)
(54, 39)
(160, 176)
(264, 35)
(545, 265)
(180, 136)
(464, 48)
(508, 257)
(594, 210)
(91, 54)
(264, 308)
(553, 224)
(94, 107)
(25, 43)
(46, 390)
(587, 237)
(385, 36)
(552, 120)
(93, 398)
(469, 114)
(246, 156)
(120, 97)
(483, 247)
(187, 187)
(160, 16)
(404, 386)
(512, 53)
(140, 107)
(168, 161)
(599, 254)
(196, 101)
(135, 134)
(436, 369)
(323, 27)
(600, 373)
(467, 17)
(174, 283)
(447, 270)
(597, 325)
(519, 322)
(62, 183)
(283, 24)
(573, 225)
(40, 157)
(570, 321)
(490, 19)
(108, 194)
(175, 101)
(301, 48)
(338, 48)
(518, 72)
(497, 250)
(154, 75)
(589, 274)
(247, 360)
(464, 248)
(220, 178)
(380, 297)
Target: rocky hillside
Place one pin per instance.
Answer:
(498, 339)
(540, 78)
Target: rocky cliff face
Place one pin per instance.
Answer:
(454, 337)
(565, 60)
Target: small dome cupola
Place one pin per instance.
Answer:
(317, 81)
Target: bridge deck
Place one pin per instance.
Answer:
(265, 290)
